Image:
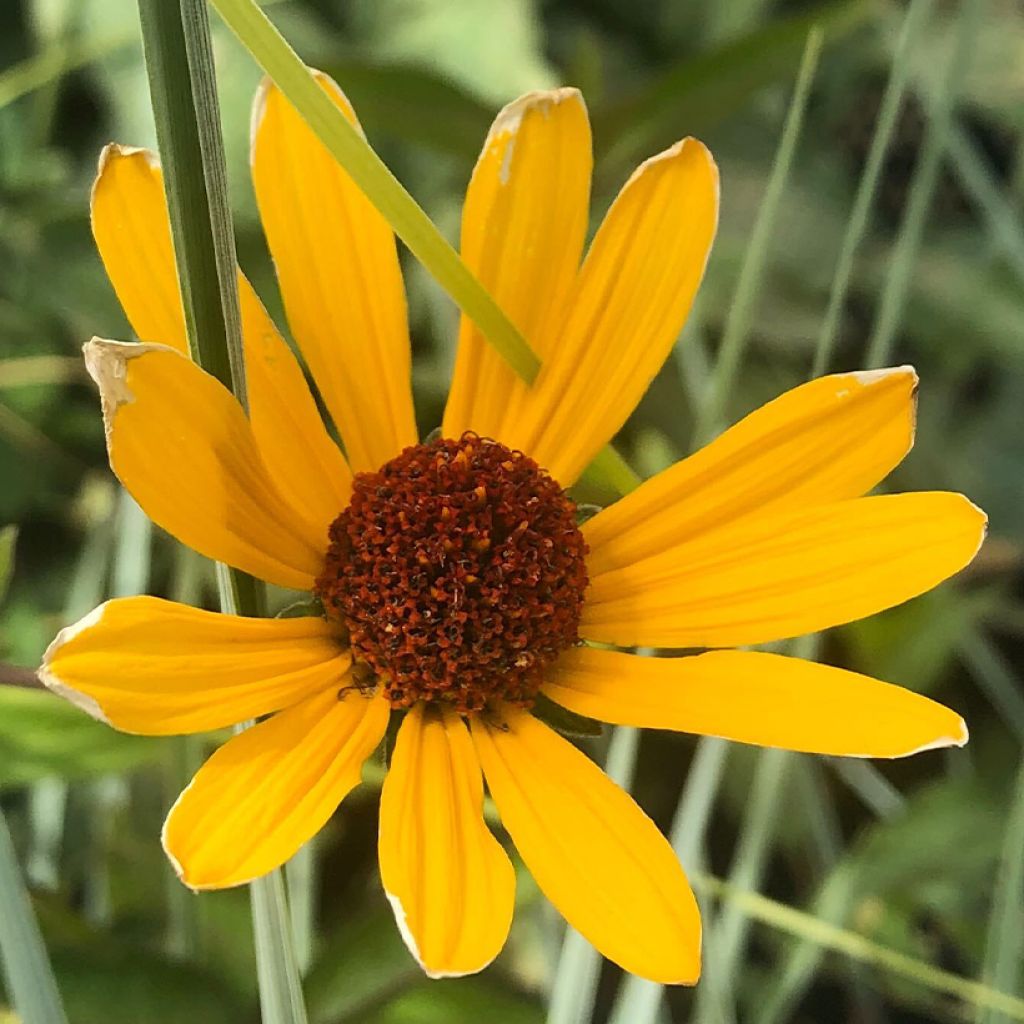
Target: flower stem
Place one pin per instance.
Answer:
(179, 59)
(195, 181)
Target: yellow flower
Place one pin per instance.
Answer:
(455, 581)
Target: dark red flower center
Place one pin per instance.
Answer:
(459, 571)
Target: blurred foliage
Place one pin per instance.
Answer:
(908, 853)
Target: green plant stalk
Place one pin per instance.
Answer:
(858, 947)
(185, 933)
(301, 882)
(190, 198)
(755, 259)
(271, 51)
(892, 99)
(922, 188)
(179, 61)
(27, 971)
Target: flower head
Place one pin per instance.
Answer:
(456, 580)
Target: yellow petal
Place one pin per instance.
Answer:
(766, 699)
(592, 850)
(271, 789)
(450, 883)
(785, 574)
(159, 668)
(833, 438)
(628, 305)
(133, 233)
(523, 226)
(182, 446)
(302, 459)
(338, 270)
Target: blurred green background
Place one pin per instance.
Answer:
(924, 856)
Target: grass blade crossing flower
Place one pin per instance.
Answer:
(455, 581)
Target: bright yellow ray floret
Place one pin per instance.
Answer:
(762, 535)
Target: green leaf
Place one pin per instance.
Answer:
(41, 735)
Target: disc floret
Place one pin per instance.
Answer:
(459, 571)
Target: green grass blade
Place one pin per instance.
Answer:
(914, 20)
(827, 936)
(52, 64)
(873, 789)
(1004, 949)
(1002, 218)
(134, 533)
(281, 999)
(195, 182)
(29, 977)
(755, 259)
(180, 64)
(301, 881)
(922, 189)
(272, 52)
